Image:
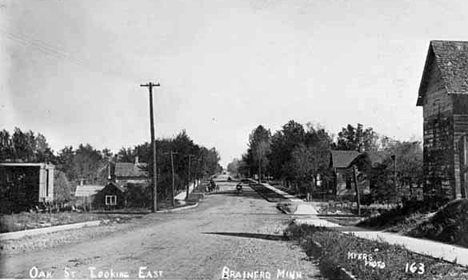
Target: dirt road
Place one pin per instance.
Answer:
(227, 235)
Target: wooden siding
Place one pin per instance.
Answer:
(344, 174)
(438, 136)
(460, 129)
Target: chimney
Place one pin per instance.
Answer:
(81, 182)
(136, 160)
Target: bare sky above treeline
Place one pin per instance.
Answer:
(71, 69)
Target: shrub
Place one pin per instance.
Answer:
(342, 250)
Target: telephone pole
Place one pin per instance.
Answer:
(358, 195)
(154, 206)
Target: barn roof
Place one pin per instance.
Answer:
(342, 159)
(87, 190)
(129, 169)
(451, 57)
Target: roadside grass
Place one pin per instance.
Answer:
(366, 259)
(32, 220)
(399, 219)
(342, 220)
(266, 193)
(448, 225)
(27, 220)
(198, 192)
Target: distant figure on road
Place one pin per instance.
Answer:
(212, 186)
(239, 188)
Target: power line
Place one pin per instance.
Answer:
(53, 51)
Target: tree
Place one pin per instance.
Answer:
(126, 155)
(311, 158)
(233, 167)
(107, 154)
(65, 162)
(24, 147)
(6, 146)
(259, 147)
(43, 152)
(204, 162)
(357, 139)
(408, 163)
(87, 163)
(283, 142)
(62, 187)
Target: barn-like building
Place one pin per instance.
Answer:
(25, 185)
(443, 94)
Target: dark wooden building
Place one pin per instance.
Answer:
(25, 185)
(129, 172)
(341, 165)
(112, 196)
(443, 94)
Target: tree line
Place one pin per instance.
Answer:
(299, 156)
(85, 163)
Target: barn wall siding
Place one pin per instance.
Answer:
(438, 137)
(460, 121)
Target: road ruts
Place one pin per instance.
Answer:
(227, 231)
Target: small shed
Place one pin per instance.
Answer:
(85, 194)
(112, 196)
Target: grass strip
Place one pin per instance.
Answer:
(367, 259)
(266, 193)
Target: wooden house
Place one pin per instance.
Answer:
(129, 172)
(342, 178)
(443, 94)
(112, 196)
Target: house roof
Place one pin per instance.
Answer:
(451, 57)
(342, 159)
(119, 187)
(129, 169)
(87, 190)
(374, 159)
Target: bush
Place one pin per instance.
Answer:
(343, 250)
(449, 224)
(395, 216)
(138, 196)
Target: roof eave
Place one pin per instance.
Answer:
(422, 84)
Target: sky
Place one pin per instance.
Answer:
(71, 70)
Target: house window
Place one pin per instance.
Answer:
(348, 182)
(111, 200)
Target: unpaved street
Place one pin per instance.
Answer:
(225, 234)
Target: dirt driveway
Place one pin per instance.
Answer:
(227, 235)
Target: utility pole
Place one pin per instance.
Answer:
(154, 206)
(188, 178)
(358, 195)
